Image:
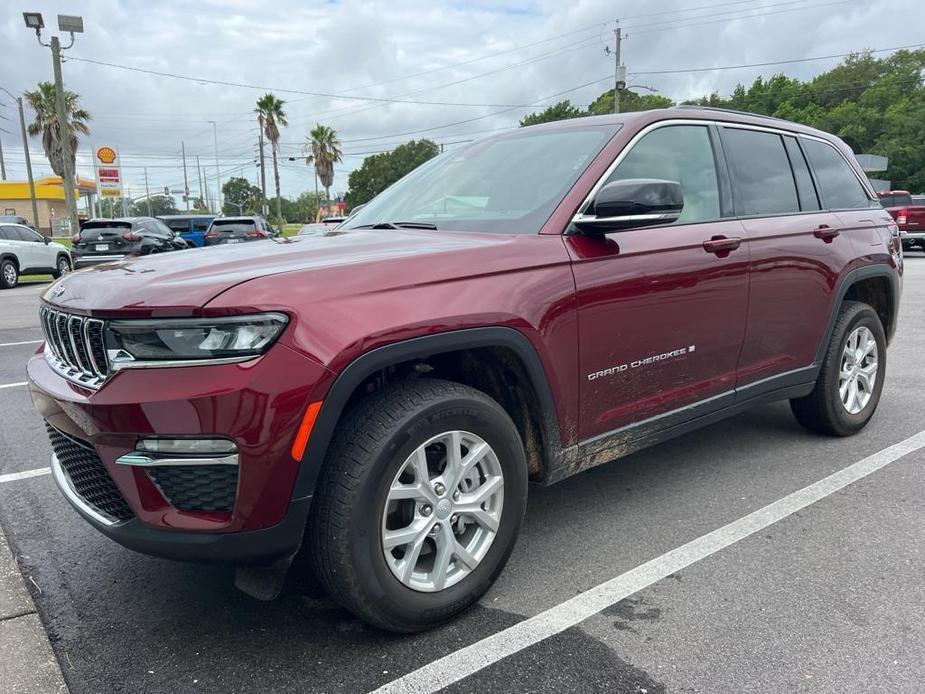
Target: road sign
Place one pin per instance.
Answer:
(108, 172)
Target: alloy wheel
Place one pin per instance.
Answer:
(9, 274)
(442, 511)
(858, 374)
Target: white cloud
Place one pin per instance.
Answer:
(352, 47)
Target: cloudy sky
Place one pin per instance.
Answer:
(480, 65)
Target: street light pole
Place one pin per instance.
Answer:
(71, 24)
(64, 135)
(218, 180)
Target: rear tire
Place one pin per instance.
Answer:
(368, 492)
(850, 381)
(9, 274)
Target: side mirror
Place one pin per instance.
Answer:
(46, 240)
(634, 202)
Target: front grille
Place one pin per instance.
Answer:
(88, 476)
(197, 487)
(75, 346)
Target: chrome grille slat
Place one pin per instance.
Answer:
(75, 347)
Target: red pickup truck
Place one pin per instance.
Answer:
(910, 217)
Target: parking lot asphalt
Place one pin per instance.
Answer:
(828, 599)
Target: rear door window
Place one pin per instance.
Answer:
(762, 179)
(8, 234)
(839, 186)
(806, 190)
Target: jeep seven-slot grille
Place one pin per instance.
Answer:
(197, 487)
(75, 346)
(88, 476)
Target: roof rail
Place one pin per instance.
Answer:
(727, 110)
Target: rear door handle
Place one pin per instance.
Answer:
(721, 245)
(826, 233)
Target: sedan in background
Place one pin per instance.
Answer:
(106, 240)
(225, 230)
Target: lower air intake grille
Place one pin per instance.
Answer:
(88, 476)
(197, 487)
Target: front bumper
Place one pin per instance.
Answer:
(258, 404)
(247, 547)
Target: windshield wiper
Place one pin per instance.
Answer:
(398, 225)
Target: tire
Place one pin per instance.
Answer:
(823, 410)
(9, 274)
(62, 267)
(351, 513)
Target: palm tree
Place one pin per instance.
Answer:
(324, 150)
(42, 101)
(270, 116)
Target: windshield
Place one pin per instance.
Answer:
(508, 184)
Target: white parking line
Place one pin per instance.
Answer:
(13, 385)
(469, 660)
(26, 474)
(24, 342)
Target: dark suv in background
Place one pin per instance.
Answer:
(224, 230)
(526, 307)
(106, 240)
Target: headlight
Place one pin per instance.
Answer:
(181, 339)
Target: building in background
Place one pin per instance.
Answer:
(49, 198)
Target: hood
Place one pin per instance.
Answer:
(179, 283)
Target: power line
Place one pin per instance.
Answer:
(773, 62)
(282, 90)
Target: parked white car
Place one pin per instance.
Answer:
(26, 252)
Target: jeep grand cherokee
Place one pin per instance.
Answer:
(524, 308)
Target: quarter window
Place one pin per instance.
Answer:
(762, 178)
(680, 153)
(840, 188)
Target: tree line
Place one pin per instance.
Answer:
(876, 105)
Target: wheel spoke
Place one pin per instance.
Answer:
(410, 560)
(463, 555)
(406, 535)
(484, 492)
(852, 396)
(868, 376)
(399, 492)
(445, 542)
(480, 515)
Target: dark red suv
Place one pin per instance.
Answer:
(521, 309)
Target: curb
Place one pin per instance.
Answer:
(27, 663)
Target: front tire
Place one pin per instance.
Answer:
(850, 381)
(419, 504)
(62, 267)
(9, 274)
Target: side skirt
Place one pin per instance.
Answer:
(635, 437)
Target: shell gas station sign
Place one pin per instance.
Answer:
(108, 172)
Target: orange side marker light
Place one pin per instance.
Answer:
(305, 430)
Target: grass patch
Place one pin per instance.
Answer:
(291, 229)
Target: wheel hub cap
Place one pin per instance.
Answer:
(858, 374)
(442, 511)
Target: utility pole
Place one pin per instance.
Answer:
(2, 163)
(25, 147)
(218, 179)
(147, 193)
(263, 174)
(185, 181)
(619, 71)
(202, 195)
